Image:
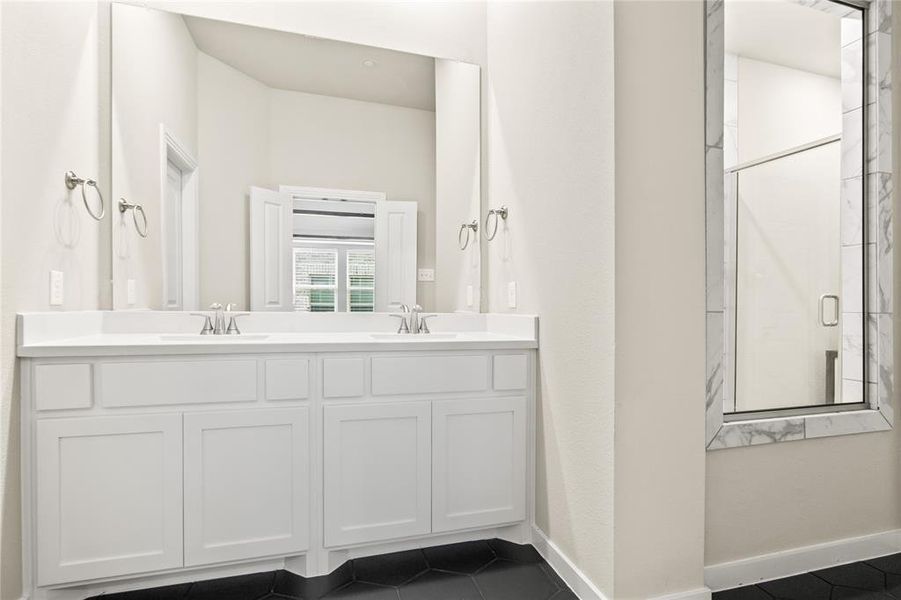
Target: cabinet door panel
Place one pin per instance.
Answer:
(377, 472)
(246, 484)
(479, 462)
(109, 496)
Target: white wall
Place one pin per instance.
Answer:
(660, 298)
(154, 71)
(551, 151)
(49, 124)
(323, 141)
(233, 142)
(457, 178)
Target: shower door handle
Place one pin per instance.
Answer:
(823, 320)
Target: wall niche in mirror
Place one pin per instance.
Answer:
(799, 219)
(285, 172)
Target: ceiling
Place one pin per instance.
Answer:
(784, 33)
(290, 61)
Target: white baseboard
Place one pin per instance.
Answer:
(702, 593)
(766, 567)
(570, 573)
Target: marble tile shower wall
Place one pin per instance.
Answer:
(853, 240)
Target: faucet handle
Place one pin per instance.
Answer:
(423, 323)
(215, 306)
(207, 323)
(403, 328)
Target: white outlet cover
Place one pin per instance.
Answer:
(132, 292)
(511, 294)
(426, 275)
(56, 288)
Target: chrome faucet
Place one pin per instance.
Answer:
(412, 320)
(216, 324)
(218, 320)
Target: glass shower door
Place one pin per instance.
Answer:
(789, 313)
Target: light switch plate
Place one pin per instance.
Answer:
(56, 288)
(426, 275)
(511, 294)
(469, 295)
(132, 292)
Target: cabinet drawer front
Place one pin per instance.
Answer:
(343, 377)
(377, 483)
(428, 374)
(62, 386)
(247, 484)
(177, 382)
(511, 372)
(287, 379)
(109, 497)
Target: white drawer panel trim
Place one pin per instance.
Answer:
(60, 386)
(287, 379)
(178, 382)
(511, 372)
(246, 484)
(109, 496)
(428, 374)
(343, 377)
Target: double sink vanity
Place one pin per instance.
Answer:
(153, 454)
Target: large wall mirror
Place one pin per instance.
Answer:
(284, 172)
(798, 219)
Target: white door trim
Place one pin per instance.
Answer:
(173, 150)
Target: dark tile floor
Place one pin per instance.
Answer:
(483, 570)
(877, 579)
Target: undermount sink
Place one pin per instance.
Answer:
(413, 336)
(196, 337)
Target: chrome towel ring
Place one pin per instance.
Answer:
(141, 228)
(497, 213)
(73, 181)
(464, 242)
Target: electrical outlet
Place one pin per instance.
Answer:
(56, 288)
(426, 275)
(469, 295)
(132, 292)
(511, 294)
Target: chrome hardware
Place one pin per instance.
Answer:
(423, 323)
(207, 324)
(73, 181)
(232, 328)
(219, 321)
(466, 227)
(823, 320)
(415, 312)
(135, 209)
(496, 212)
(403, 327)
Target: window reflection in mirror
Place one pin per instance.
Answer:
(795, 224)
(285, 172)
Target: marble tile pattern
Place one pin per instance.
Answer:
(866, 177)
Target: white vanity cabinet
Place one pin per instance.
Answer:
(136, 470)
(377, 471)
(109, 496)
(247, 477)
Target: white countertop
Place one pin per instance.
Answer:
(100, 333)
